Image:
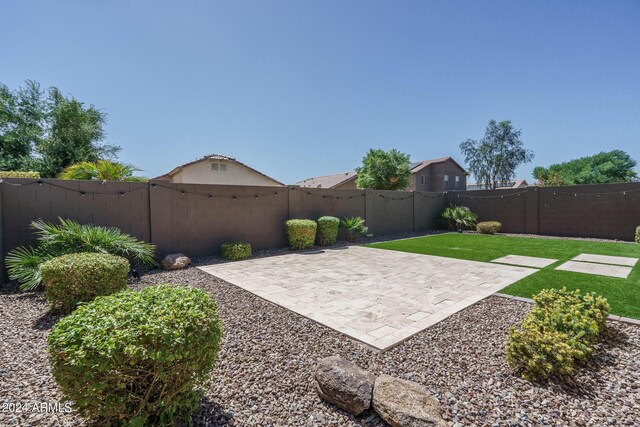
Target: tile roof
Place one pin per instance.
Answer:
(331, 181)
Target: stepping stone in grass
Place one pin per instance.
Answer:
(596, 269)
(526, 261)
(607, 259)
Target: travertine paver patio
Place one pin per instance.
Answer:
(597, 269)
(376, 296)
(525, 261)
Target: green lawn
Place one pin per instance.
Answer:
(623, 294)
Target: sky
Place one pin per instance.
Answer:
(304, 88)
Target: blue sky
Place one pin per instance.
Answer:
(304, 88)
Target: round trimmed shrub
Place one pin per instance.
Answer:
(301, 233)
(236, 251)
(488, 227)
(638, 235)
(137, 358)
(328, 230)
(75, 278)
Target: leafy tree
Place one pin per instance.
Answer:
(493, 159)
(601, 168)
(47, 131)
(384, 170)
(102, 170)
(22, 115)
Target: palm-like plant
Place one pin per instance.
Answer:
(458, 217)
(23, 264)
(102, 170)
(354, 226)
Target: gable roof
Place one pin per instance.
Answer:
(213, 157)
(331, 181)
(328, 181)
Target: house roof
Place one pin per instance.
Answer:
(331, 181)
(518, 183)
(209, 157)
(328, 181)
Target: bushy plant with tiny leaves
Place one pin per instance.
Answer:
(236, 251)
(137, 358)
(301, 233)
(327, 230)
(559, 330)
(488, 227)
(75, 278)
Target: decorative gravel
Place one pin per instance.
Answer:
(264, 376)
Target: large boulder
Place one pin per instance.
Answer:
(403, 403)
(175, 262)
(344, 384)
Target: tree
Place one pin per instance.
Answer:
(102, 170)
(493, 159)
(22, 115)
(601, 168)
(384, 170)
(47, 131)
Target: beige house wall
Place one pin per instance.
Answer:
(235, 174)
(349, 185)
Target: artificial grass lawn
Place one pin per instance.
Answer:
(623, 294)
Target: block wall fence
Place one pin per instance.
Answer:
(196, 219)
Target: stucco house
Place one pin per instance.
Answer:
(218, 169)
(442, 174)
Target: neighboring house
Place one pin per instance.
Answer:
(427, 175)
(518, 183)
(217, 169)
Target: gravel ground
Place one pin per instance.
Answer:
(264, 376)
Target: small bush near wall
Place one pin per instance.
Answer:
(236, 251)
(137, 358)
(457, 218)
(19, 174)
(559, 330)
(301, 233)
(74, 278)
(328, 230)
(355, 227)
(638, 235)
(488, 227)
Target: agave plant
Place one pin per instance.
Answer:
(23, 264)
(458, 217)
(102, 170)
(354, 226)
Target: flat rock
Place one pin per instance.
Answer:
(344, 384)
(403, 403)
(175, 262)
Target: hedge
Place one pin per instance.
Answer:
(488, 227)
(236, 251)
(19, 174)
(328, 230)
(301, 233)
(75, 278)
(137, 358)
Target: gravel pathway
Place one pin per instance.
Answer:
(264, 376)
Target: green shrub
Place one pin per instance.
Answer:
(558, 331)
(638, 235)
(19, 174)
(74, 278)
(236, 251)
(355, 227)
(137, 358)
(301, 233)
(23, 264)
(457, 218)
(328, 230)
(488, 227)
